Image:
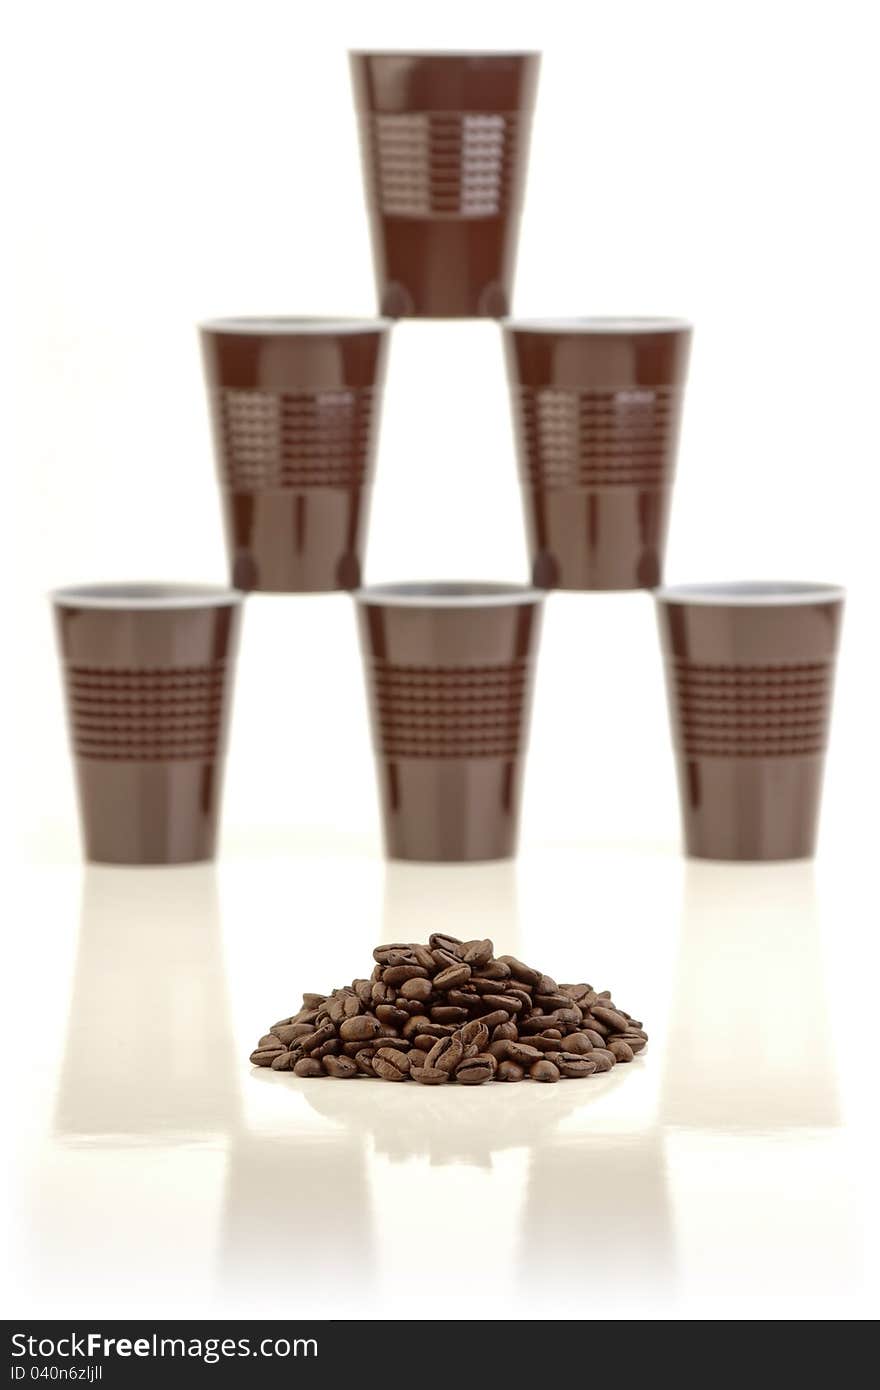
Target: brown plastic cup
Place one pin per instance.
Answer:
(444, 145)
(449, 672)
(295, 406)
(148, 672)
(750, 674)
(596, 410)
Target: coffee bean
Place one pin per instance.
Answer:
(544, 1042)
(359, 1029)
(417, 989)
(543, 1071)
(383, 994)
(391, 1014)
(595, 1025)
(495, 1019)
(504, 1032)
(445, 1013)
(548, 1002)
(524, 973)
(273, 1042)
(604, 1060)
(476, 953)
(453, 977)
(364, 991)
(622, 1051)
(446, 1054)
(595, 1038)
(474, 1034)
(399, 974)
(363, 1062)
(327, 1049)
(398, 953)
(461, 999)
(429, 1076)
(308, 1066)
(311, 1001)
(441, 941)
(391, 1065)
(495, 970)
(263, 1058)
(507, 1003)
(546, 985)
(415, 1025)
(634, 1041)
(475, 1070)
(509, 1071)
(611, 1017)
(422, 956)
(341, 1067)
(522, 1053)
(281, 1061)
(572, 1063)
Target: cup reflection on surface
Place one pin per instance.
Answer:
(464, 900)
(749, 1042)
(149, 1048)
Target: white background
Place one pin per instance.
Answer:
(714, 162)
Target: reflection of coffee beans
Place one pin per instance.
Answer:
(449, 1011)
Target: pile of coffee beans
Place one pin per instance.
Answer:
(452, 1011)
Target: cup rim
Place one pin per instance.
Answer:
(445, 52)
(303, 326)
(750, 593)
(598, 325)
(454, 593)
(146, 594)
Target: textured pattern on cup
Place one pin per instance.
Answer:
(295, 407)
(449, 674)
(148, 673)
(750, 674)
(597, 410)
(444, 145)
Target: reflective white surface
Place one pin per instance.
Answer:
(720, 1175)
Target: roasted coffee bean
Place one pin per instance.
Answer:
(262, 1058)
(398, 953)
(452, 978)
(341, 1067)
(461, 999)
(450, 1010)
(446, 1054)
(614, 1020)
(604, 1059)
(549, 1002)
(506, 1003)
(314, 1039)
(543, 1071)
(509, 1071)
(429, 1076)
(417, 989)
(496, 1017)
(391, 1065)
(524, 973)
(398, 975)
(391, 1014)
(495, 970)
(359, 1029)
(308, 1066)
(475, 1070)
(572, 1063)
(477, 953)
(522, 1053)
(475, 1033)
(446, 1013)
(441, 941)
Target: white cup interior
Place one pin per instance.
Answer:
(293, 327)
(137, 595)
(750, 593)
(596, 325)
(448, 594)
